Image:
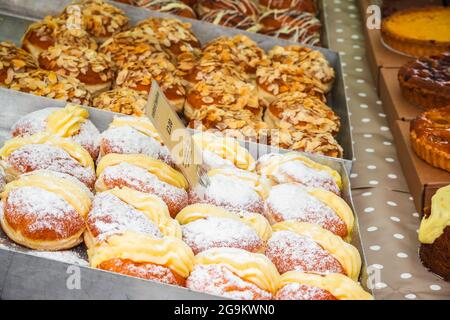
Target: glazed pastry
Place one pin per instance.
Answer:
(43, 151)
(68, 122)
(131, 46)
(99, 18)
(434, 234)
(295, 285)
(145, 174)
(418, 32)
(291, 201)
(307, 61)
(307, 247)
(51, 85)
(13, 60)
(240, 50)
(122, 209)
(276, 79)
(246, 7)
(293, 167)
(133, 135)
(168, 260)
(122, 100)
(45, 210)
(232, 19)
(298, 26)
(174, 35)
(233, 189)
(293, 5)
(168, 6)
(220, 152)
(53, 30)
(139, 75)
(234, 273)
(426, 81)
(91, 68)
(206, 226)
(430, 137)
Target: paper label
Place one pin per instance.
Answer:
(174, 134)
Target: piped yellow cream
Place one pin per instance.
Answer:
(141, 124)
(347, 255)
(66, 122)
(158, 168)
(433, 226)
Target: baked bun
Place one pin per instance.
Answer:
(434, 234)
(220, 152)
(122, 209)
(318, 143)
(45, 210)
(232, 19)
(134, 135)
(69, 122)
(13, 60)
(91, 68)
(122, 100)
(307, 247)
(174, 35)
(245, 7)
(307, 61)
(51, 85)
(139, 75)
(44, 151)
(233, 189)
(131, 46)
(240, 50)
(168, 6)
(293, 167)
(168, 260)
(295, 285)
(290, 201)
(298, 26)
(205, 226)
(145, 174)
(99, 18)
(297, 111)
(293, 5)
(234, 273)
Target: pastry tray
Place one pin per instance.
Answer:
(28, 274)
(15, 15)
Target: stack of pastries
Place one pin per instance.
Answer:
(294, 20)
(90, 54)
(275, 228)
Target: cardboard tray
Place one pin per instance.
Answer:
(17, 14)
(26, 274)
(423, 179)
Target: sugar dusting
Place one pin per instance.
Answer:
(297, 291)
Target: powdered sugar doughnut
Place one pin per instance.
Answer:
(290, 201)
(45, 210)
(297, 291)
(87, 136)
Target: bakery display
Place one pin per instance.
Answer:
(45, 210)
(434, 234)
(14, 60)
(295, 285)
(419, 31)
(69, 122)
(430, 137)
(234, 273)
(426, 81)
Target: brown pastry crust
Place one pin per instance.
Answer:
(426, 81)
(246, 7)
(122, 100)
(169, 6)
(293, 5)
(14, 60)
(430, 137)
(232, 19)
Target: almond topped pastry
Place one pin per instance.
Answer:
(430, 137)
(14, 60)
(418, 32)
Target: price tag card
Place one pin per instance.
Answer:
(174, 135)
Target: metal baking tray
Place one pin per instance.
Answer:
(16, 14)
(28, 274)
